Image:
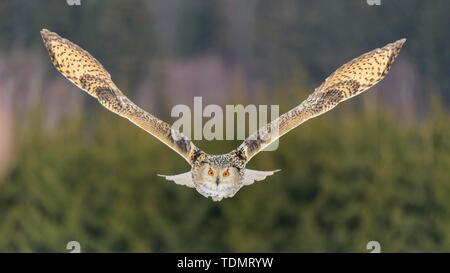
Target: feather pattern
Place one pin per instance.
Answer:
(349, 80)
(79, 67)
(219, 176)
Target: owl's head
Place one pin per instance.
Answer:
(217, 176)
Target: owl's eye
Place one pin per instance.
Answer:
(226, 173)
(210, 172)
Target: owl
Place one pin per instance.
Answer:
(219, 176)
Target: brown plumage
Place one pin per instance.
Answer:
(79, 67)
(219, 176)
(349, 80)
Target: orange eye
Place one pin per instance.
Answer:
(210, 172)
(226, 173)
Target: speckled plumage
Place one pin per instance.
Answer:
(219, 176)
(79, 67)
(349, 80)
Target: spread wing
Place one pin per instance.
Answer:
(79, 67)
(349, 80)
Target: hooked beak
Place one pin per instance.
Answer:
(217, 181)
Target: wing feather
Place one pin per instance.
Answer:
(79, 67)
(349, 80)
(184, 179)
(250, 176)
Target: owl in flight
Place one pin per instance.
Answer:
(219, 176)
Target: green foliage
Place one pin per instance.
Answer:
(347, 178)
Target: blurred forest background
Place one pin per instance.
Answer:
(375, 168)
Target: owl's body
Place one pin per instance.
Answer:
(219, 176)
